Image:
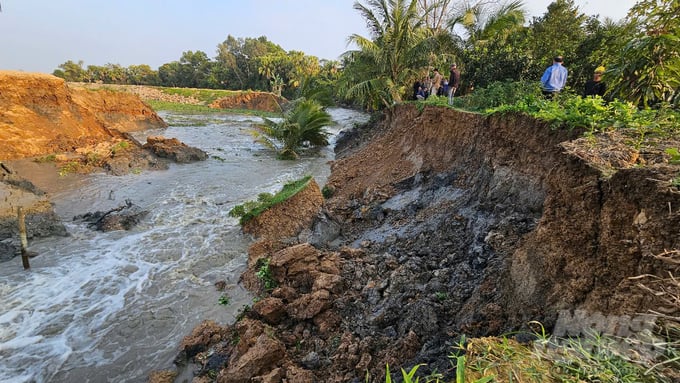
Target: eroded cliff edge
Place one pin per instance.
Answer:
(40, 115)
(445, 223)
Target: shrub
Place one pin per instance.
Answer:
(302, 126)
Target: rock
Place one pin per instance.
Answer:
(295, 374)
(162, 377)
(262, 357)
(201, 337)
(272, 310)
(173, 149)
(123, 217)
(311, 361)
(309, 305)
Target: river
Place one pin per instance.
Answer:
(111, 307)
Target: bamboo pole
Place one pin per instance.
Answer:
(24, 241)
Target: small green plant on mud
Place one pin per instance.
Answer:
(264, 274)
(441, 295)
(69, 168)
(674, 156)
(224, 300)
(45, 159)
(93, 159)
(251, 209)
(676, 182)
(119, 147)
(327, 191)
(242, 313)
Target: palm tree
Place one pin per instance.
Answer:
(489, 40)
(385, 63)
(482, 22)
(303, 125)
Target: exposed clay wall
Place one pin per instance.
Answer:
(591, 235)
(40, 114)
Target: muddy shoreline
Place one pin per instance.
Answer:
(443, 223)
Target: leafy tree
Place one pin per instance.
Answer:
(114, 74)
(559, 31)
(71, 71)
(194, 69)
(141, 75)
(492, 42)
(302, 126)
(647, 70)
(238, 61)
(603, 41)
(288, 70)
(170, 74)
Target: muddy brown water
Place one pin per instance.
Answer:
(111, 307)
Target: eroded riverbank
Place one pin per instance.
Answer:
(98, 306)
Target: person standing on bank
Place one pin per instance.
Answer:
(436, 82)
(454, 82)
(554, 78)
(596, 87)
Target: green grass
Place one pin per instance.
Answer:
(547, 359)
(203, 109)
(46, 159)
(206, 96)
(251, 209)
(182, 108)
(224, 300)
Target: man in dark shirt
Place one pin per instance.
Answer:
(596, 87)
(454, 82)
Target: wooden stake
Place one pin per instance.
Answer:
(22, 234)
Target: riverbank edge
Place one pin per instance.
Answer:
(289, 321)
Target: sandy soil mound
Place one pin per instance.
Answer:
(40, 114)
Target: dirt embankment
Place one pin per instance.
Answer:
(264, 101)
(446, 223)
(249, 100)
(40, 115)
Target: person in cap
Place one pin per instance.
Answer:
(554, 78)
(596, 87)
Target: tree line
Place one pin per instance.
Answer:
(490, 41)
(239, 64)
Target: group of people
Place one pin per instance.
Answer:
(438, 85)
(553, 81)
(555, 78)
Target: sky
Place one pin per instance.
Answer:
(39, 35)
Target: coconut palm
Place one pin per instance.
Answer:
(384, 64)
(483, 22)
(302, 126)
(489, 41)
